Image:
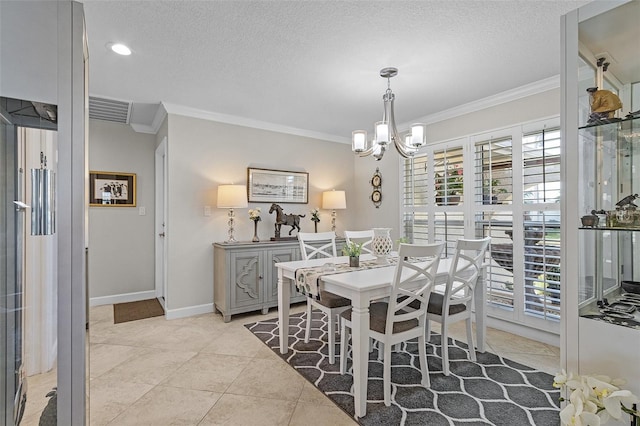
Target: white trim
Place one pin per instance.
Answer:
(248, 122)
(165, 108)
(490, 101)
(160, 222)
(122, 298)
(158, 119)
(596, 8)
(527, 331)
(189, 311)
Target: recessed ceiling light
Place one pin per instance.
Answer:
(121, 49)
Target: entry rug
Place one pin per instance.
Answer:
(132, 311)
(491, 391)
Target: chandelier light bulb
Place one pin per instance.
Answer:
(418, 135)
(408, 141)
(382, 133)
(359, 140)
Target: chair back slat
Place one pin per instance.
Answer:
(317, 244)
(364, 237)
(413, 280)
(465, 268)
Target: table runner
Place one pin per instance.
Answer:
(308, 279)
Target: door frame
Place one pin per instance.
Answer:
(160, 223)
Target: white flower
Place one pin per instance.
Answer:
(594, 400)
(315, 214)
(613, 403)
(254, 214)
(561, 379)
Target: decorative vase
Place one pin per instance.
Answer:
(315, 225)
(354, 261)
(381, 244)
(255, 232)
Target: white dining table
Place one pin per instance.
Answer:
(361, 287)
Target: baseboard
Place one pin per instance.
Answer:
(122, 298)
(524, 331)
(188, 311)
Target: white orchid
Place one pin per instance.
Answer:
(561, 379)
(594, 400)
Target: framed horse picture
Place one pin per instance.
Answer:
(277, 186)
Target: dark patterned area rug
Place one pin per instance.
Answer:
(491, 391)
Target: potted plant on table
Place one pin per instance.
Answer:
(353, 250)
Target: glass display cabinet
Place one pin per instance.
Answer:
(600, 256)
(609, 183)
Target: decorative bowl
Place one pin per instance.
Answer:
(589, 220)
(631, 286)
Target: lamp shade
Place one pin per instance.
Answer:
(359, 140)
(334, 200)
(232, 196)
(382, 132)
(418, 138)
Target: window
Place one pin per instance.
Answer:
(515, 188)
(494, 171)
(541, 167)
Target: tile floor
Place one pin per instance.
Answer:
(201, 371)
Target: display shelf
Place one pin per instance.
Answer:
(603, 228)
(609, 158)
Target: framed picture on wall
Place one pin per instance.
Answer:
(112, 189)
(277, 186)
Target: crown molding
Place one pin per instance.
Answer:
(481, 104)
(247, 122)
(490, 101)
(154, 127)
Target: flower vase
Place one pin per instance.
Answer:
(315, 226)
(381, 244)
(354, 261)
(255, 232)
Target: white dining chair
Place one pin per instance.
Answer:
(456, 303)
(364, 237)
(390, 322)
(318, 245)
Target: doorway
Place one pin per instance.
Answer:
(160, 224)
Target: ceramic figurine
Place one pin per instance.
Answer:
(604, 104)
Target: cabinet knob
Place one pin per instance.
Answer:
(260, 276)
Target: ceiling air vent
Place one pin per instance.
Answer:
(109, 110)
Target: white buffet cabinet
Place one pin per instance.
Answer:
(244, 278)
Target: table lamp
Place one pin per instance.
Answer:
(231, 197)
(333, 200)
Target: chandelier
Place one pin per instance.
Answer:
(386, 131)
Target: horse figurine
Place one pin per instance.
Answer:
(292, 220)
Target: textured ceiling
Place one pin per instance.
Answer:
(314, 65)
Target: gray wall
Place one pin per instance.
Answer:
(204, 154)
(121, 244)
